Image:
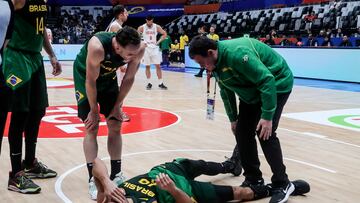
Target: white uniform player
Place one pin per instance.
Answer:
(152, 53)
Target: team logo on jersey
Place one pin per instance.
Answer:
(78, 96)
(226, 69)
(246, 58)
(13, 80)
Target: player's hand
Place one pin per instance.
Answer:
(265, 128)
(233, 127)
(56, 66)
(113, 193)
(116, 113)
(164, 182)
(92, 120)
(123, 69)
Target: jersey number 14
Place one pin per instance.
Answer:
(40, 25)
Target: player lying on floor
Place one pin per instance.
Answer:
(174, 182)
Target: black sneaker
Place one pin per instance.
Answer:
(22, 184)
(198, 75)
(281, 195)
(149, 86)
(233, 164)
(162, 86)
(248, 183)
(260, 191)
(301, 187)
(38, 170)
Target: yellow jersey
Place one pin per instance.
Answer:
(184, 39)
(214, 37)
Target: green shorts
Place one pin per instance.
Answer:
(25, 75)
(107, 94)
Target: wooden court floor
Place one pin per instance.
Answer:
(328, 157)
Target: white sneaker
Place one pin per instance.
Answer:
(119, 178)
(92, 189)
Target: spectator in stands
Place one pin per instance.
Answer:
(339, 33)
(202, 32)
(212, 34)
(345, 42)
(329, 33)
(175, 52)
(184, 40)
(165, 49)
(327, 42)
(357, 34)
(310, 17)
(312, 42)
(269, 41)
(286, 42)
(299, 42)
(322, 34)
(273, 34)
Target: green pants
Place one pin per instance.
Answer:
(25, 75)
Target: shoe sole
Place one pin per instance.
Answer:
(26, 191)
(41, 176)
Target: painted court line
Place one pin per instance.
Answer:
(65, 199)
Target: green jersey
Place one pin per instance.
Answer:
(143, 188)
(29, 27)
(253, 71)
(165, 44)
(108, 66)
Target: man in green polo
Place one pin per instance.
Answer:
(262, 80)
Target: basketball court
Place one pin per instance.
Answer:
(319, 133)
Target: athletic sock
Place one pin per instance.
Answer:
(160, 81)
(31, 135)
(149, 80)
(115, 168)
(90, 167)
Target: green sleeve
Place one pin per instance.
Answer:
(229, 100)
(249, 65)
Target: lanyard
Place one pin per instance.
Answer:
(208, 85)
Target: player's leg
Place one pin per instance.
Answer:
(195, 168)
(248, 118)
(235, 162)
(210, 193)
(148, 77)
(120, 74)
(38, 103)
(107, 102)
(18, 72)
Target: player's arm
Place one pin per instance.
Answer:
(140, 29)
(129, 78)
(54, 62)
(114, 28)
(94, 57)
(163, 34)
(164, 182)
(107, 190)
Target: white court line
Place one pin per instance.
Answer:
(65, 199)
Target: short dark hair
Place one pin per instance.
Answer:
(128, 35)
(200, 46)
(118, 9)
(149, 17)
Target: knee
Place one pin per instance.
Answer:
(114, 128)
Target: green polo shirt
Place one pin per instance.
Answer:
(253, 71)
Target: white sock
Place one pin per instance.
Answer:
(149, 80)
(160, 81)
